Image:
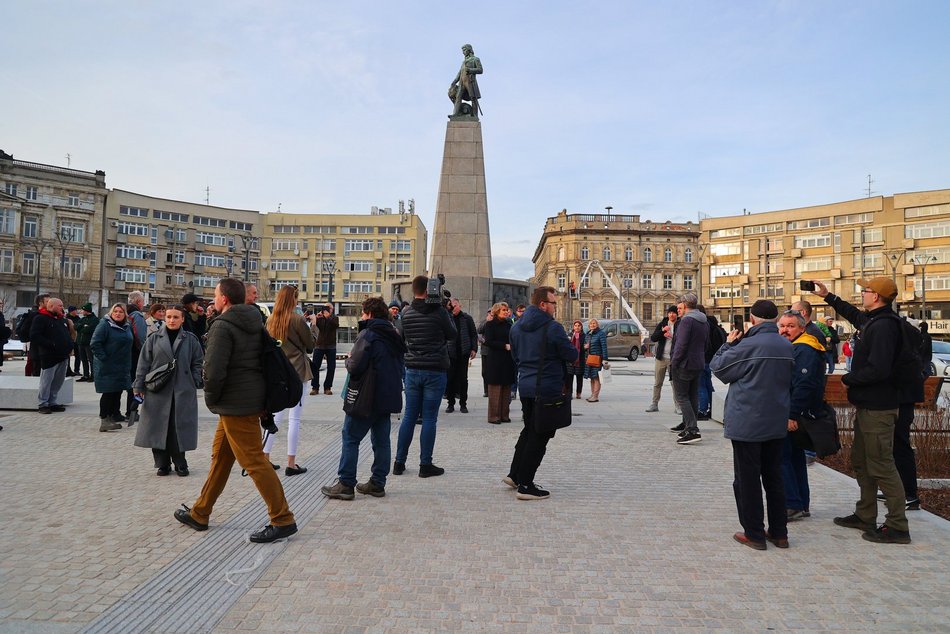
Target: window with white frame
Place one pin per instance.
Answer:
(7, 221)
(607, 310)
(74, 266)
(585, 253)
(870, 261)
(811, 240)
(646, 281)
(205, 281)
(929, 210)
(73, 199)
(872, 234)
(241, 226)
(6, 260)
(319, 229)
(585, 282)
(647, 254)
(775, 265)
(775, 245)
(937, 255)
(934, 283)
(726, 248)
(725, 233)
(72, 231)
(209, 222)
(170, 216)
(208, 237)
(285, 245)
(133, 211)
(688, 255)
(853, 219)
(627, 281)
(208, 259)
(134, 276)
(132, 228)
(10, 189)
(400, 245)
(810, 223)
(628, 254)
(726, 292)
(927, 230)
(392, 230)
(585, 310)
(357, 230)
(285, 265)
(354, 287)
(402, 267)
(726, 270)
(28, 264)
(808, 265)
(179, 279)
(358, 266)
(606, 254)
(286, 229)
(358, 245)
(276, 285)
(687, 281)
(667, 254)
(561, 281)
(132, 252)
(604, 281)
(754, 229)
(176, 235)
(31, 226)
(32, 192)
(667, 281)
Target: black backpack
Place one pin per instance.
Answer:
(283, 385)
(908, 367)
(23, 328)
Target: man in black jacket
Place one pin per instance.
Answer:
(462, 349)
(874, 392)
(426, 328)
(663, 337)
(23, 333)
(49, 335)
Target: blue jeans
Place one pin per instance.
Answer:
(832, 358)
(354, 431)
(795, 476)
(705, 391)
(424, 390)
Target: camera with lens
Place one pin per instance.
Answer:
(268, 424)
(436, 293)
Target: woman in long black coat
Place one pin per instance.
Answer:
(500, 371)
(575, 371)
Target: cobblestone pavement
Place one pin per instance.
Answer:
(637, 536)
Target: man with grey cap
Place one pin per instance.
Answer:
(757, 365)
(875, 392)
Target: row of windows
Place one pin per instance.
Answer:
(207, 259)
(350, 230)
(607, 254)
(31, 192)
(667, 281)
(72, 266)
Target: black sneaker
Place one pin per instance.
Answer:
(703, 416)
(45, 410)
(163, 471)
(371, 488)
(276, 466)
(399, 468)
(531, 492)
(430, 470)
(689, 439)
(463, 409)
(57, 408)
(450, 409)
(272, 533)
(853, 521)
(183, 515)
(912, 504)
(884, 534)
(678, 428)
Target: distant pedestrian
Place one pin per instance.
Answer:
(757, 366)
(23, 334)
(297, 335)
(168, 422)
(195, 320)
(807, 398)
(156, 316)
(5, 333)
(111, 346)
(500, 369)
(483, 351)
(84, 330)
(379, 349)
(327, 326)
(462, 350)
(662, 336)
(714, 341)
(528, 345)
(596, 346)
(926, 348)
(139, 327)
(686, 366)
(49, 335)
(235, 390)
(575, 371)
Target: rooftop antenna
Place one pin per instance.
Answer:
(208, 194)
(69, 159)
(869, 186)
(278, 207)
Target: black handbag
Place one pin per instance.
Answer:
(818, 432)
(550, 412)
(158, 378)
(359, 394)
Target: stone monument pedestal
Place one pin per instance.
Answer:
(461, 248)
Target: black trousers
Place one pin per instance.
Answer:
(456, 387)
(758, 465)
(530, 448)
(84, 354)
(164, 457)
(109, 404)
(574, 376)
(316, 361)
(904, 456)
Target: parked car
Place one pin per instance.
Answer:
(940, 363)
(623, 338)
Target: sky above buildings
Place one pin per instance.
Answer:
(665, 109)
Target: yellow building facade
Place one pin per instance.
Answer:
(766, 255)
(651, 264)
(343, 258)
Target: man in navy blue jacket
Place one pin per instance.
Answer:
(526, 347)
(686, 365)
(757, 366)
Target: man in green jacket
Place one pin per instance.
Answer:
(235, 390)
(84, 329)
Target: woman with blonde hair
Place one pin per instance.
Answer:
(298, 339)
(596, 347)
(499, 364)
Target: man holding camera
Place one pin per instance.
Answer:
(427, 328)
(327, 324)
(462, 349)
(235, 391)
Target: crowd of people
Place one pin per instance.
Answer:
(160, 356)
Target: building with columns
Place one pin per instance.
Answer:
(651, 263)
(50, 233)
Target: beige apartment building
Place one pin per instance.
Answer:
(50, 232)
(651, 264)
(341, 258)
(166, 248)
(904, 236)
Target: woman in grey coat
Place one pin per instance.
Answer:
(169, 417)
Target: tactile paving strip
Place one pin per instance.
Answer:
(195, 592)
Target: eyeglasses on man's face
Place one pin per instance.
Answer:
(867, 290)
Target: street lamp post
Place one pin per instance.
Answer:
(328, 267)
(64, 237)
(247, 240)
(702, 251)
(923, 262)
(39, 247)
